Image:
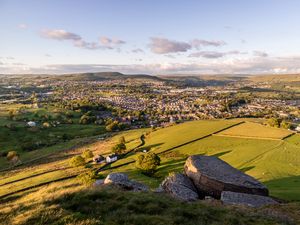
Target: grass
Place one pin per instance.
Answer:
(71, 203)
(264, 159)
(275, 162)
(255, 130)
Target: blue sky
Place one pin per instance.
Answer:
(156, 37)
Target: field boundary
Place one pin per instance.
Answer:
(247, 137)
(34, 175)
(39, 185)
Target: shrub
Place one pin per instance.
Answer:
(87, 178)
(87, 154)
(11, 154)
(284, 124)
(148, 163)
(119, 148)
(77, 161)
(122, 140)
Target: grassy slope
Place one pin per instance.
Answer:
(267, 160)
(71, 203)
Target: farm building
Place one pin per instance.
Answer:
(98, 159)
(111, 158)
(31, 124)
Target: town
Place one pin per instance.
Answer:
(153, 102)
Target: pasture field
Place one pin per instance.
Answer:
(265, 159)
(255, 130)
(275, 162)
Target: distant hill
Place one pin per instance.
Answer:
(104, 76)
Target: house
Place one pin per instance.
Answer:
(99, 159)
(31, 124)
(111, 158)
(297, 128)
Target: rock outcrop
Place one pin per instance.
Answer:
(180, 186)
(211, 176)
(234, 198)
(122, 180)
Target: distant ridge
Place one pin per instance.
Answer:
(98, 76)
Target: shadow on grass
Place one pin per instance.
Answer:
(245, 169)
(148, 147)
(171, 166)
(221, 153)
(287, 188)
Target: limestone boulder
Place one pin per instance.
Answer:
(234, 198)
(122, 180)
(180, 187)
(212, 175)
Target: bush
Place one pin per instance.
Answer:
(87, 178)
(11, 154)
(148, 163)
(119, 148)
(284, 124)
(112, 126)
(122, 140)
(77, 161)
(87, 154)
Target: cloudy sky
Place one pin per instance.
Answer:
(155, 37)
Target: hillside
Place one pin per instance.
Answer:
(271, 155)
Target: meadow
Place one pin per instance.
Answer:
(274, 161)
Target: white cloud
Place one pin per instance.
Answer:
(137, 50)
(110, 42)
(260, 54)
(197, 43)
(60, 35)
(214, 54)
(23, 26)
(78, 41)
(164, 46)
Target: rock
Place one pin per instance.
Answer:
(159, 189)
(180, 186)
(99, 182)
(211, 176)
(234, 198)
(122, 180)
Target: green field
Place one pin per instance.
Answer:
(255, 130)
(274, 161)
(266, 159)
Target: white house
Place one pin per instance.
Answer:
(31, 124)
(111, 158)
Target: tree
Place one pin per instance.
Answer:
(112, 126)
(87, 154)
(273, 122)
(284, 124)
(122, 140)
(119, 148)
(12, 157)
(87, 178)
(148, 163)
(77, 161)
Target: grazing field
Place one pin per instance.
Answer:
(173, 136)
(255, 130)
(266, 159)
(275, 162)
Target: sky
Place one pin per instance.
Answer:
(152, 37)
